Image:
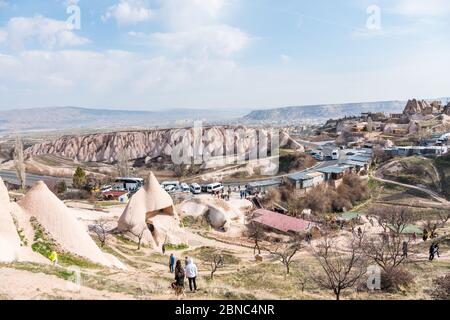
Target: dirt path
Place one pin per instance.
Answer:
(433, 194)
(24, 285)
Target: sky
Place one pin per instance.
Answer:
(224, 54)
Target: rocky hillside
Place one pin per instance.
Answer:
(322, 113)
(447, 109)
(423, 107)
(108, 147)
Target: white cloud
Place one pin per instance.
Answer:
(207, 41)
(421, 7)
(182, 14)
(195, 28)
(128, 12)
(41, 31)
(68, 3)
(130, 80)
(3, 36)
(105, 78)
(285, 58)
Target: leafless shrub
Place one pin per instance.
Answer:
(285, 251)
(256, 234)
(101, 229)
(216, 263)
(123, 159)
(19, 162)
(395, 279)
(395, 218)
(441, 288)
(272, 197)
(340, 270)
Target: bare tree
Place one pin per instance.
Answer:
(443, 217)
(394, 218)
(216, 263)
(139, 235)
(286, 251)
(387, 253)
(101, 230)
(341, 270)
(431, 226)
(272, 197)
(19, 162)
(302, 281)
(122, 162)
(256, 233)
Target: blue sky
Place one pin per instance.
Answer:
(156, 54)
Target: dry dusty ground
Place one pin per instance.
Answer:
(242, 277)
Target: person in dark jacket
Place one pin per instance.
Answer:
(178, 285)
(171, 263)
(432, 252)
(405, 249)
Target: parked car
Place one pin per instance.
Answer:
(319, 156)
(350, 153)
(214, 187)
(196, 188)
(170, 188)
(185, 187)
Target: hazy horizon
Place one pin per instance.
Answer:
(233, 109)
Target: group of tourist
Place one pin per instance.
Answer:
(189, 271)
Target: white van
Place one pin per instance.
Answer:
(185, 187)
(214, 187)
(335, 154)
(196, 188)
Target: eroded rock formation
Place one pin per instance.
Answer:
(107, 147)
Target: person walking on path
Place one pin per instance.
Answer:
(405, 249)
(425, 235)
(178, 285)
(171, 263)
(191, 274)
(436, 249)
(163, 249)
(432, 252)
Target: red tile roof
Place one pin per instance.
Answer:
(280, 222)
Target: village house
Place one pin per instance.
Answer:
(262, 186)
(304, 182)
(283, 224)
(333, 175)
(416, 150)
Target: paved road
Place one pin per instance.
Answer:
(31, 179)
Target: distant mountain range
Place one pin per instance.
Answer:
(67, 118)
(61, 118)
(321, 113)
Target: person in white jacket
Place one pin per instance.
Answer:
(191, 274)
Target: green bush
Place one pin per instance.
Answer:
(182, 246)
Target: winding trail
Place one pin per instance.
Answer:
(433, 194)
